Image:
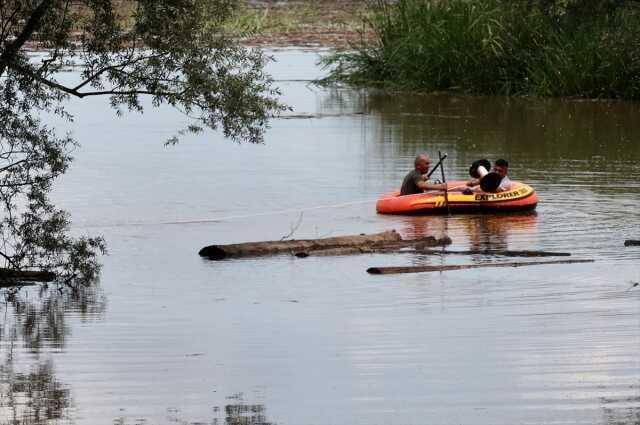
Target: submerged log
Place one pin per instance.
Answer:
(503, 252)
(11, 277)
(631, 242)
(419, 249)
(339, 245)
(421, 269)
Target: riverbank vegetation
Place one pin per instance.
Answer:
(305, 23)
(281, 23)
(581, 48)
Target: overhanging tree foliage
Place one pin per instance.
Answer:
(171, 51)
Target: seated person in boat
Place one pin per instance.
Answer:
(501, 167)
(416, 180)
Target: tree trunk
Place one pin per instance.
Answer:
(339, 245)
(420, 269)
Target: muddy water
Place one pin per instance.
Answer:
(169, 338)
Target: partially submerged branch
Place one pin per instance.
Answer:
(631, 242)
(419, 248)
(422, 269)
(501, 252)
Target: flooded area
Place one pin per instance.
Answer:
(167, 337)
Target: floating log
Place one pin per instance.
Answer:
(419, 249)
(631, 242)
(361, 243)
(420, 269)
(350, 250)
(11, 277)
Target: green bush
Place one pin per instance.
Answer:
(498, 47)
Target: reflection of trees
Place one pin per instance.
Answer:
(38, 316)
(34, 397)
(629, 415)
(245, 414)
(35, 320)
(548, 129)
(236, 413)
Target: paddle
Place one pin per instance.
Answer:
(439, 164)
(444, 181)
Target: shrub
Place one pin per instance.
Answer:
(498, 47)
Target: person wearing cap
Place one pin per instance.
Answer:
(416, 180)
(501, 167)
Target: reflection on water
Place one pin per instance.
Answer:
(245, 414)
(37, 316)
(34, 321)
(534, 128)
(237, 412)
(482, 231)
(32, 398)
(629, 415)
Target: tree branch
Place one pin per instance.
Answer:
(39, 179)
(9, 260)
(75, 92)
(32, 24)
(12, 165)
(7, 21)
(112, 68)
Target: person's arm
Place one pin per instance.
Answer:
(423, 185)
(473, 182)
(505, 185)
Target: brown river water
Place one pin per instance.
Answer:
(167, 337)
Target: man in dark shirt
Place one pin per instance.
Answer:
(415, 181)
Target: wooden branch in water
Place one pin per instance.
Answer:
(503, 252)
(338, 245)
(421, 269)
(11, 277)
(631, 242)
(420, 249)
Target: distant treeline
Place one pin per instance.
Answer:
(583, 48)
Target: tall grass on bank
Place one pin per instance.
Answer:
(495, 47)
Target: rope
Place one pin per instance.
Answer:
(289, 210)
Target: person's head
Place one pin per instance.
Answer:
(422, 163)
(501, 167)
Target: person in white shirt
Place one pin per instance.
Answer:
(501, 167)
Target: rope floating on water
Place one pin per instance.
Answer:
(285, 211)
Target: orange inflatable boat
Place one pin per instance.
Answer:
(519, 197)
